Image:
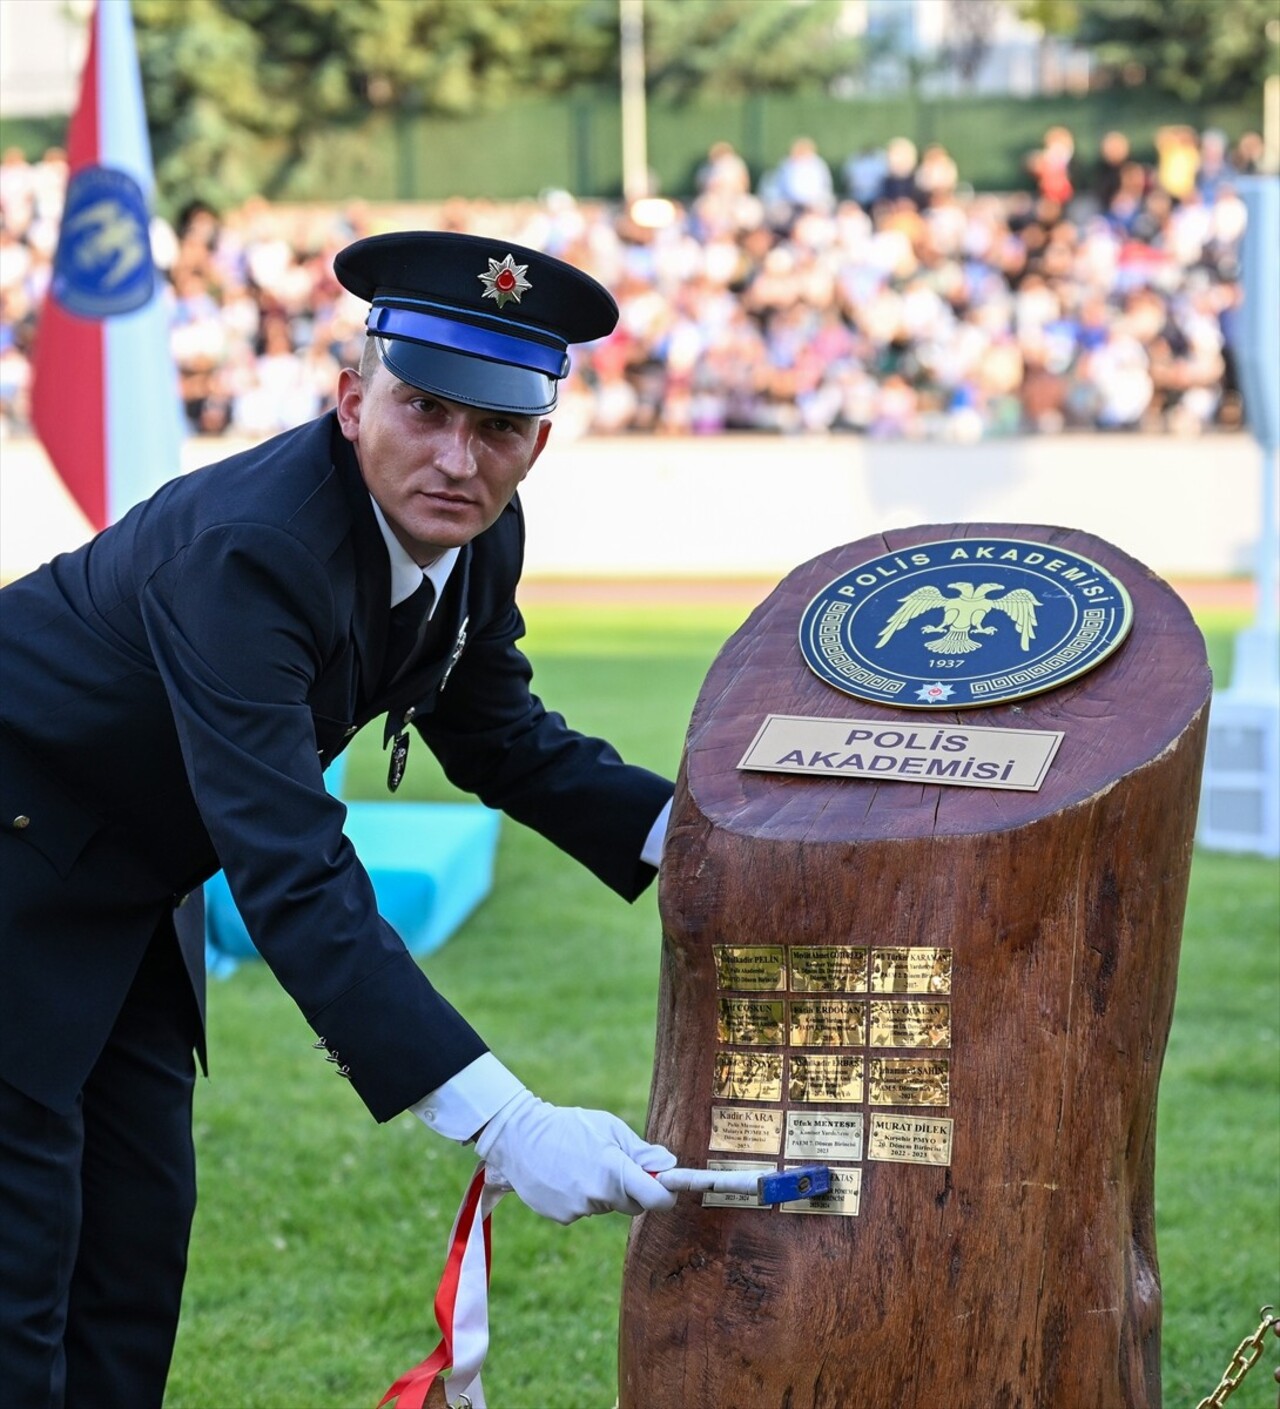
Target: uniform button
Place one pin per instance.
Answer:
(21, 821)
(409, 713)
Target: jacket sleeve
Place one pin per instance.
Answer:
(240, 623)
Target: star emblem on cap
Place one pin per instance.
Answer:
(505, 281)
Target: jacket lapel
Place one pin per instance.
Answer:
(372, 572)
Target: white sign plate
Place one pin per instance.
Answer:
(960, 755)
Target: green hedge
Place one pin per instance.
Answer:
(574, 142)
(35, 135)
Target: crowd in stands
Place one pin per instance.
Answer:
(882, 297)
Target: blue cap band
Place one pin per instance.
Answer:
(414, 325)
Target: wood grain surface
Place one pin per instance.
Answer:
(1024, 1273)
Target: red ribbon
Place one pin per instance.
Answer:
(411, 1389)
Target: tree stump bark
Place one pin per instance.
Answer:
(1023, 1272)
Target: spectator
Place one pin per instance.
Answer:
(17, 191)
(281, 389)
(1178, 163)
(1249, 153)
(1215, 168)
(991, 311)
(801, 181)
(724, 173)
(937, 176)
(864, 174)
(15, 366)
(1113, 156)
(1051, 166)
(1128, 203)
(900, 181)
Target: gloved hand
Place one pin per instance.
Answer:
(565, 1162)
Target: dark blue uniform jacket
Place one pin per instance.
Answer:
(171, 694)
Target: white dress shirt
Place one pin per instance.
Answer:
(407, 575)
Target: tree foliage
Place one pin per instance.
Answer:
(1198, 50)
(722, 48)
(227, 78)
(274, 72)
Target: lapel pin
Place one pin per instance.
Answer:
(456, 654)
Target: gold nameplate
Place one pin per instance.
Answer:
(820, 1137)
(964, 755)
(737, 1200)
(916, 970)
(827, 968)
(910, 1081)
(746, 1132)
(827, 1022)
(910, 1024)
(750, 968)
(748, 1076)
(823, 1076)
(910, 1139)
(843, 1199)
(750, 1022)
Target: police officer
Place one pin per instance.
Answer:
(172, 693)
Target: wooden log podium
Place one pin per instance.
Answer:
(983, 1081)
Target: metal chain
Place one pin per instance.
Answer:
(1247, 1355)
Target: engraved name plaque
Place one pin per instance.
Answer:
(922, 969)
(750, 968)
(910, 1024)
(827, 1022)
(915, 1139)
(844, 1198)
(748, 1076)
(822, 1076)
(910, 1081)
(752, 1022)
(820, 1137)
(828, 968)
(746, 1130)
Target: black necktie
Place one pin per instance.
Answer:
(408, 628)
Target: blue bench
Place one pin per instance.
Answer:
(431, 864)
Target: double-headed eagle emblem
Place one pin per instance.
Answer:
(962, 616)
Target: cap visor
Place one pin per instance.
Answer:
(474, 381)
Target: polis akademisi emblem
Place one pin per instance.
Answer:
(102, 265)
(964, 622)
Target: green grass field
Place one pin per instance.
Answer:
(320, 1235)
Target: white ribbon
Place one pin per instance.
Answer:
(461, 1307)
(471, 1309)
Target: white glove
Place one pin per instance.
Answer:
(565, 1162)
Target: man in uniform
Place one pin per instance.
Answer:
(172, 692)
